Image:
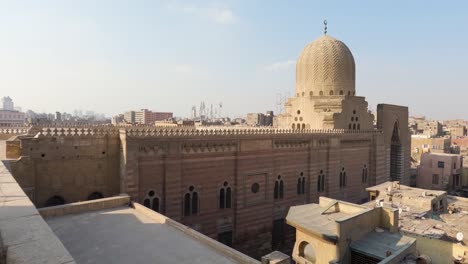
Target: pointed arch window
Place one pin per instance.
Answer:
(301, 184)
(191, 202)
(152, 201)
(342, 178)
(321, 182)
(278, 192)
(364, 174)
(225, 196)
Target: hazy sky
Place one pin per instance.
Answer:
(112, 56)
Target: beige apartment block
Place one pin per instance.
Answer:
(422, 144)
(441, 171)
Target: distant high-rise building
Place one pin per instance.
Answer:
(7, 104)
(129, 117)
(58, 116)
(8, 115)
(148, 117)
(260, 119)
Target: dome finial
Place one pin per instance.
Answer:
(325, 23)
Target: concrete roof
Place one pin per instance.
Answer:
(417, 216)
(377, 244)
(312, 218)
(127, 235)
(406, 190)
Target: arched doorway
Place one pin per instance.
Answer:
(395, 154)
(55, 200)
(95, 195)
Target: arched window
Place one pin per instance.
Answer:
(194, 203)
(395, 154)
(311, 93)
(301, 184)
(151, 201)
(331, 92)
(55, 200)
(341, 92)
(303, 126)
(225, 196)
(321, 93)
(191, 202)
(281, 189)
(147, 203)
(293, 126)
(349, 126)
(354, 126)
(307, 252)
(95, 195)
(275, 191)
(321, 182)
(187, 205)
(349, 92)
(358, 126)
(222, 196)
(228, 197)
(364, 174)
(278, 192)
(155, 205)
(342, 178)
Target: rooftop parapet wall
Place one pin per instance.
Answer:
(183, 131)
(86, 206)
(26, 237)
(8, 132)
(77, 131)
(176, 132)
(228, 251)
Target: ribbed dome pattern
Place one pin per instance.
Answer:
(325, 67)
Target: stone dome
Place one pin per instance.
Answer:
(325, 67)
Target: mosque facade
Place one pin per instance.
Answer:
(234, 185)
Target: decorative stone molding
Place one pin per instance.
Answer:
(281, 144)
(152, 149)
(15, 131)
(208, 147)
(76, 131)
(167, 132)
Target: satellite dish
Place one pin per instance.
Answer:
(460, 236)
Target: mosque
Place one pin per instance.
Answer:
(233, 185)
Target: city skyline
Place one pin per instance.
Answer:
(112, 57)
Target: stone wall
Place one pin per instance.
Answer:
(25, 236)
(170, 164)
(389, 117)
(165, 163)
(69, 166)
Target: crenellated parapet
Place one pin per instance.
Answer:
(14, 130)
(234, 132)
(168, 132)
(97, 131)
